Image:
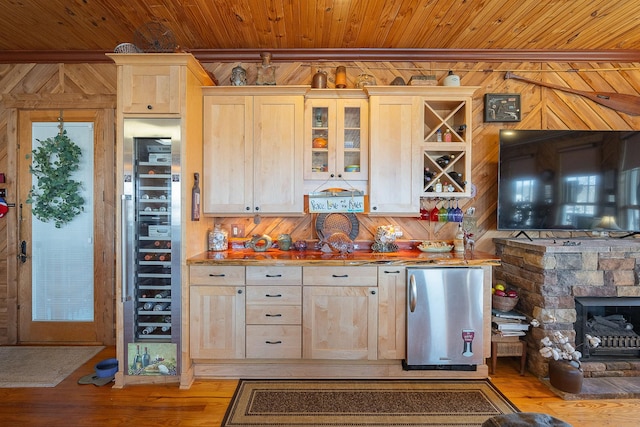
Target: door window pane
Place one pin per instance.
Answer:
(62, 258)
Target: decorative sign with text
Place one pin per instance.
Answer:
(343, 201)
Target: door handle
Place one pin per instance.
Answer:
(413, 293)
(23, 252)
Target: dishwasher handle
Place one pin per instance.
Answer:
(413, 293)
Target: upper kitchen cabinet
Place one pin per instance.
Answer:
(420, 145)
(445, 149)
(154, 83)
(336, 135)
(394, 132)
(253, 150)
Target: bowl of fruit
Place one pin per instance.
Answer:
(503, 299)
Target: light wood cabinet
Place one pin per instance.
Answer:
(393, 161)
(336, 137)
(392, 306)
(445, 149)
(340, 322)
(159, 98)
(274, 312)
(253, 152)
(217, 312)
(156, 83)
(406, 157)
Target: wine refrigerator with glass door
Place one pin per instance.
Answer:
(150, 238)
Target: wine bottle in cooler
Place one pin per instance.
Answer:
(161, 306)
(147, 331)
(163, 294)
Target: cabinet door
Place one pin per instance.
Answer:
(394, 164)
(352, 138)
(227, 185)
(153, 89)
(336, 139)
(340, 322)
(217, 323)
(277, 148)
(392, 297)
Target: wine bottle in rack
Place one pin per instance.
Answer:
(147, 331)
(161, 306)
(149, 257)
(148, 306)
(163, 294)
(166, 328)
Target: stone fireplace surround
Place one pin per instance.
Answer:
(550, 273)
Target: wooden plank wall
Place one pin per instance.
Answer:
(48, 86)
(542, 109)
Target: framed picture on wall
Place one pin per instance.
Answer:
(502, 107)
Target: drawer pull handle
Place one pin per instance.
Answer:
(216, 275)
(274, 275)
(274, 296)
(273, 342)
(392, 272)
(339, 275)
(273, 315)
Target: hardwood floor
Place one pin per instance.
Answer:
(204, 404)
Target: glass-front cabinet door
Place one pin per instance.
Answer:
(336, 135)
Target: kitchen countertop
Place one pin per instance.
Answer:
(409, 257)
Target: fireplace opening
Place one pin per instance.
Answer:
(615, 320)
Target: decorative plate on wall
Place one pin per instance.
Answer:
(329, 223)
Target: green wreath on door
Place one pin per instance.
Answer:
(56, 197)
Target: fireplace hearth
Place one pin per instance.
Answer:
(569, 288)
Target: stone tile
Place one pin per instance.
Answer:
(602, 388)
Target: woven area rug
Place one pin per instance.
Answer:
(41, 366)
(288, 403)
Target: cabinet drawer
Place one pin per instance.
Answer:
(271, 295)
(340, 276)
(274, 342)
(216, 275)
(274, 314)
(274, 275)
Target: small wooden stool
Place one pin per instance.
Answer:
(507, 346)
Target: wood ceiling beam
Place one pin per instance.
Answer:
(346, 55)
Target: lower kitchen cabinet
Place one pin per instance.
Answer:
(274, 341)
(274, 312)
(217, 322)
(340, 323)
(392, 303)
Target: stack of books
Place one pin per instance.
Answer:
(509, 323)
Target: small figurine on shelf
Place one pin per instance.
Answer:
(266, 71)
(238, 76)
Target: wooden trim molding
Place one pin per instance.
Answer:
(345, 55)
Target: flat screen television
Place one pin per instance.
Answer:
(569, 180)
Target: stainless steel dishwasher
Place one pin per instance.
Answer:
(444, 318)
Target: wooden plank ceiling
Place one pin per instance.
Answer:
(559, 25)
